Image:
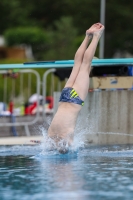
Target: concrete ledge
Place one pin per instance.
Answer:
(94, 138)
(108, 138)
(19, 140)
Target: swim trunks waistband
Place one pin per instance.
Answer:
(69, 94)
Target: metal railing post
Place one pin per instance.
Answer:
(44, 88)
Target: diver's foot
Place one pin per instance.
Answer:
(90, 35)
(96, 29)
(91, 30)
(99, 32)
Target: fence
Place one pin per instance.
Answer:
(17, 89)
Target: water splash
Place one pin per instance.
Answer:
(79, 142)
(50, 148)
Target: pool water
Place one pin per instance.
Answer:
(104, 172)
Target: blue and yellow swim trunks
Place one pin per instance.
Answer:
(70, 95)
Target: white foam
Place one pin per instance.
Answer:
(49, 144)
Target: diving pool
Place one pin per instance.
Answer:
(95, 172)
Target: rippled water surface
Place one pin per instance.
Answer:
(91, 173)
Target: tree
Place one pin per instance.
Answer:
(44, 13)
(62, 40)
(118, 27)
(14, 13)
(35, 37)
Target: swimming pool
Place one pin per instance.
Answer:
(104, 172)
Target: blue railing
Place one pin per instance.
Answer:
(67, 63)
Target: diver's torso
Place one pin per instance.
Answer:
(64, 120)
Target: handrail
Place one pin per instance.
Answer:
(44, 88)
(67, 63)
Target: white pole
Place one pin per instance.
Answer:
(102, 20)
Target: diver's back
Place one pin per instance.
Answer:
(64, 120)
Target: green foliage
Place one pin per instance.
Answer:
(45, 14)
(118, 29)
(36, 37)
(11, 61)
(61, 45)
(15, 13)
(25, 35)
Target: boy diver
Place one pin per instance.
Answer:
(75, 91)
(61, 130)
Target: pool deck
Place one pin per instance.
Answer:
(93, 139)
(19, 140)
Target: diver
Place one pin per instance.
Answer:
(61, 130)
(75, 91)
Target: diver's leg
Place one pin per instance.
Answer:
(78, 60)
(81, 84)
